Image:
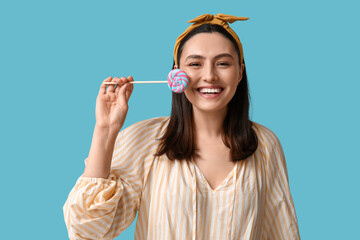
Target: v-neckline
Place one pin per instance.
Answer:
(223, 182)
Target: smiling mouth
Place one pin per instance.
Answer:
(210, 91)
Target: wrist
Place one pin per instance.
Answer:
(106, 132)
(107, 128)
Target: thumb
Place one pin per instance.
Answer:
(128, 91)
(122, 94)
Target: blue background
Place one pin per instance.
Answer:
(301, 59)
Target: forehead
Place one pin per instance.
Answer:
(208, 45)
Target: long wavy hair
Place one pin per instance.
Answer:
(178, 141)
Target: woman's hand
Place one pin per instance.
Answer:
(112, 103)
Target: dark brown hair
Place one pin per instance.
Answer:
(178, 141)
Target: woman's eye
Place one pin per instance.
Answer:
(223, 64)
(194, 64)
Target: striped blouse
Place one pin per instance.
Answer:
(173, 199)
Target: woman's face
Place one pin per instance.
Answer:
(212, 64)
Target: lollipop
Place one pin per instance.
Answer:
(177, 81)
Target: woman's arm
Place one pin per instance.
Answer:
(98, 206)
(102, 146)
(280, 221)
(111, 111)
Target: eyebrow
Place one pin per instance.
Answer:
(195, 56)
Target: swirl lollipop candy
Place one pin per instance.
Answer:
(177, 80)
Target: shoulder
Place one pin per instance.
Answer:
(267, 139)
(152, 127)
(148, 124)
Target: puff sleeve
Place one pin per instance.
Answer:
(99, 208)
(280, 221)
(91, 206)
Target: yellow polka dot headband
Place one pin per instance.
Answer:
(218, 19)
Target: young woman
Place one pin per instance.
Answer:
(205, 172)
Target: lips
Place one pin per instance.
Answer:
(210, 92)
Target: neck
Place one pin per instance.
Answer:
(208, 125)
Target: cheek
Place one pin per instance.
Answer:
(192, 82)
(190, 93)
(190, 77)
(187, 94)
(193, 74)
(233, 91)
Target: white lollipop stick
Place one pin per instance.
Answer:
(177, 81)
(113, 83)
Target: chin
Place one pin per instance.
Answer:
(210, 109)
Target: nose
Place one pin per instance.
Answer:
(209, 73)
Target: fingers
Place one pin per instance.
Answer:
(111, 88)
(122, 81)
(129, 88)
(125, 90)
(107, 88)
(103, 86)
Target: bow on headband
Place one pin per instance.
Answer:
(221, 18)
(218, 19)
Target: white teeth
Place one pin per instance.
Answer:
(210, 90)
